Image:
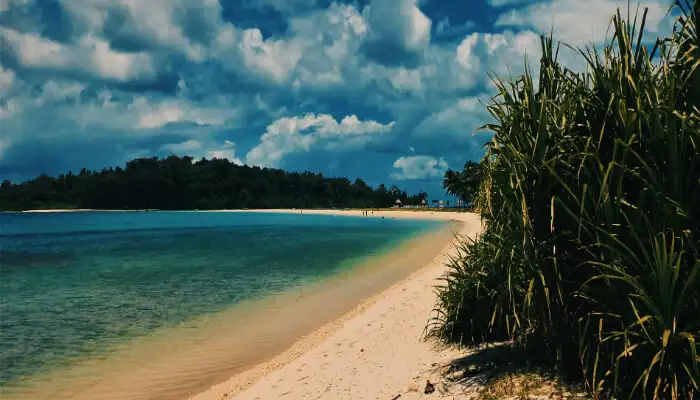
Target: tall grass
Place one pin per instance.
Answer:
(591, 202)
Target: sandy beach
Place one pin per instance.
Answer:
(355, 335)
(376, 351)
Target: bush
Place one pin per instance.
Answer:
(591, 204)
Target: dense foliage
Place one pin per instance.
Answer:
(465, 183)
(589, 259)
(176, 183)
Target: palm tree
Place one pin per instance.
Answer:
(464, 184)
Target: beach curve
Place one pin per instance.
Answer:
(375, 351)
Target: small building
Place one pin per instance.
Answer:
(398, 204)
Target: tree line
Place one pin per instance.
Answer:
(180, 183)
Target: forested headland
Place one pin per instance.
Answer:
(180, 183)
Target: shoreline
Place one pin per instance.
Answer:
(147, 368)
(308, 369)
(320, 211)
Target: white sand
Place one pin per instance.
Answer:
(375, 352)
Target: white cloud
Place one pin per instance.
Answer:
(183, 147)
(7, 80)
(275, 59)
(175, 110)
(247, 53)
(457, 120)
(446, 29)
(480, 54)
(447, 72)
(331, 40)
(578, 22)
(226, 151)
(399, 23)
(320, 62)
(91, 56)
(175, 26)
(442, 25)
(72, 109)
(196, 149)
(298, 134)
(9, 110)
(419, 167)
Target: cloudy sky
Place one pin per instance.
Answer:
(387, 90)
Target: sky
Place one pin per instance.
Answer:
(387, 90)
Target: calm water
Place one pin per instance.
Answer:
(74, 284)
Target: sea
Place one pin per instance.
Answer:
(78, 286)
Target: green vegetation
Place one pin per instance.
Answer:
(465, 183)
(176, 183)
(589, 260)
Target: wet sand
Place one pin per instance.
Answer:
(374, 352)
(243, 342)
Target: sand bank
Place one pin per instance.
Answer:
(373, 352)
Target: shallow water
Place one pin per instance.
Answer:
(88, 292)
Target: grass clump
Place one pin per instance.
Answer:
(589, 260)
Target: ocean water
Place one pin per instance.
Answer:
(75, 285)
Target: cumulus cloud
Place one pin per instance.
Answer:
(196, 149)
(399, 32)
(226, 151)
(482, 53)
(331, 39)
(581, 22)
(419, 167)
(90, 58)
(458, 120)
(7, 81)
(274, 59)
(267, 81)
(184, 147)
(299, 134)
(83, 127)
(169, 111)
(183, 26)
(445, 29)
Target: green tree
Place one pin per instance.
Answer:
(180, 183)
(465, 183)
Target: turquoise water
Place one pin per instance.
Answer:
(73, 284)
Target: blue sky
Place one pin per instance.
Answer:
(386, 90)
